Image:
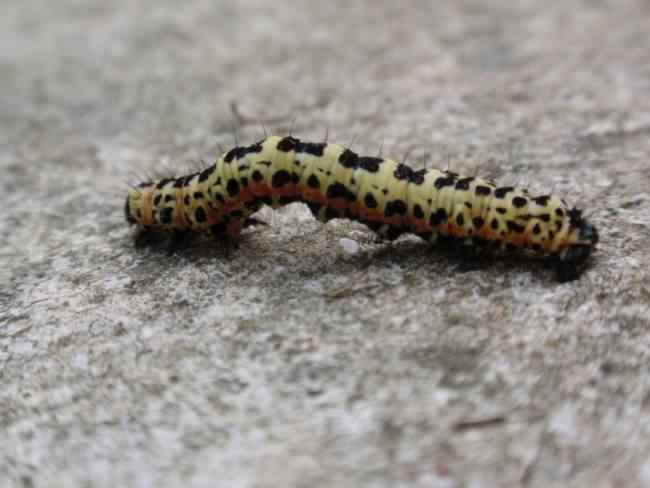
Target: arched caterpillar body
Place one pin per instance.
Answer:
(389, 197)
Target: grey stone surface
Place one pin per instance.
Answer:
(294, 361)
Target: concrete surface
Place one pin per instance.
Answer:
(314, 356)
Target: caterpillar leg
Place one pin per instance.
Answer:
(565, 272)
(383, 232)
(568, 266)
(253, 222)
(163, 241)
(471, 253)
(178, 241)
(147, 238)
(227, 236)
(389, 232)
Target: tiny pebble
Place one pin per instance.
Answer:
(349, 246)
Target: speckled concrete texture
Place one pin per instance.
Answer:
(314, 355)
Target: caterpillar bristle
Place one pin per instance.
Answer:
(291, 125)
(353, 140)
(406, 155)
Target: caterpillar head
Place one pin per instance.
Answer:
(583, 238)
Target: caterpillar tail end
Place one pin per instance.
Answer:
(573, 258)
(127, 211)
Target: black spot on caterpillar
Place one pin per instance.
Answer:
(389, 197)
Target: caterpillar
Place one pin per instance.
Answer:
(390, 198)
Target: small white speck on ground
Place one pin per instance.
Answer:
(349, 246)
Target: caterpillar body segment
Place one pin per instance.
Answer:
(389, 197)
